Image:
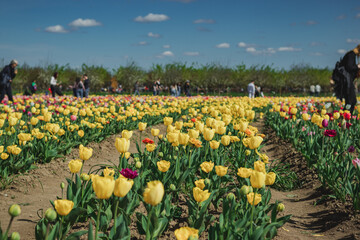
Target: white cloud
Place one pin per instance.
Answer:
(143, 43)
(191, 53)
(167, 54)
(341, 51)
(311, 22)
(166, 46)
(84, 23)
(208, 21)
(357, 15)
(56, 29)
(356, 41)
(152, 18)
(223, 45)
(341, 17)
(242, 44)
(288, 49)
(269, 51)
(153, 35)
(251, 50)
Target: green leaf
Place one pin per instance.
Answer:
(76, 235)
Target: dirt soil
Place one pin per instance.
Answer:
(328, 220)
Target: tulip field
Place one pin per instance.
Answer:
(205, 172)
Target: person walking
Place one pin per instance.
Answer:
(312, 90)
(251, 89)
(344, 74)
(187, 88)
(317, 90)
(30, 89)
(136, 88)
(54, 86)
(79, 88)
(7, 75)
(86, 85)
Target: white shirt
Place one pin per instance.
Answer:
(318, 88)
(53, 81)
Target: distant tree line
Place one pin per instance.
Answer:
(210, 78)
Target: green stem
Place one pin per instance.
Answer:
(8, 228)
(148, 233)
(252, 212)
(98, 220)
(60, 228)
(116, 209)
(82, 167)
(47, 230)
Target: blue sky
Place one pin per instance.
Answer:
(113, 33)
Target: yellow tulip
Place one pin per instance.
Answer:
(179, 125)
(270, 178)
(170, 128)
(155, 132)
(127, 155)
(255, 142)
(200, 183)
(259, 166)
(103, 186)
(154, 193)
(183, 138)
(184, 233)
(12, 121)
(220, 130)
(253, 198)
(4, 156)
(63, 207)
(225, 140)
(214, 144)
(199, 126)
(172, 137)
(85, 153)
(127, 134)
(81, 133)
(193, 133)
(168, 121)
(293, 111)
(1, 149)
(16, 151)
(142, 126)
(108, 172)
(200, 195)
(163, 165)
(122, 145)
(75, 166)
(34, 121)
(336, 115)
(221, 170)
(122, 186)
(305, 116)
(207, 166)
(150, 147)
(208, 134)
(257, 179)
(244, 172)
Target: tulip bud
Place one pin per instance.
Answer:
(280, 207)
(62, 185)
(245, 190)
(325, 123)
(14, 210)
(172, 187)
(230, 196)
(15, 236)
(50, 215)
(247, 152)
(138, 165)
(161, 154)
(176, 149)
(207, 182)
(84, 177)
(136, 159)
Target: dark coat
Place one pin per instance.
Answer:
(6, 75)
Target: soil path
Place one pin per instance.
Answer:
(32, 191)
(328, 219)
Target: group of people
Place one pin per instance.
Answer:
(254, 91)
(315, 90)
(342, 79)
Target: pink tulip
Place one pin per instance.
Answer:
(325, 123)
